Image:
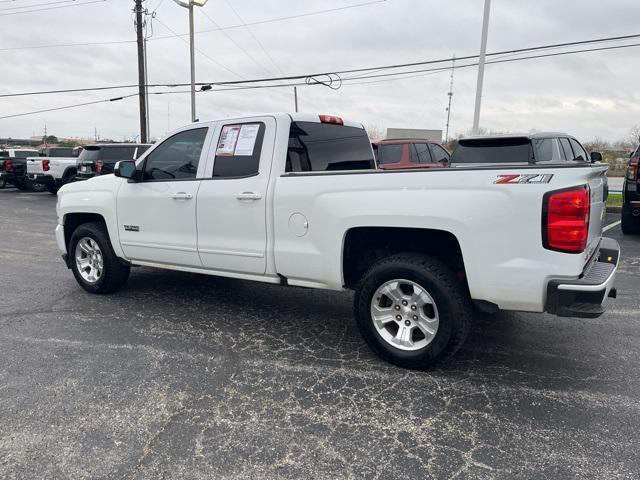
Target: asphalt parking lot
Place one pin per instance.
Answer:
(187, 376)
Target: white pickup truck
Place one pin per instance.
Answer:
(56, 168)
(297, 200)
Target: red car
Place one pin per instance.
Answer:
(399, 154)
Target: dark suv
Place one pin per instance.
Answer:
(520, 150)
(99, 159)
(631, 195)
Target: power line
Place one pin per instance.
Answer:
(52, 8)
(197, 49)
(231, 27)
(257, 40)
(366, 73)
(236, 43)
(36, 5)
(279, 85)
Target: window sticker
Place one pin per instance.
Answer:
(228, 140)
(247, 139)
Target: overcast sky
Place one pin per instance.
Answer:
(588, 94)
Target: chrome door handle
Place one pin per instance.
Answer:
(182, 196)
(249, 196)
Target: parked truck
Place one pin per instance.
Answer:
(55, 167)
(13, 167)
(297, 200)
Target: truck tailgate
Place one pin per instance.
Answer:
(599, 189)
(34, 165)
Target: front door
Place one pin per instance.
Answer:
(157, 214)
(232, 202)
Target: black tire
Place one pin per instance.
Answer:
(21, 185)
(114, 274)
(448, 293)
(629, 224)
(53, 188)
(35, 187)
(3, 183)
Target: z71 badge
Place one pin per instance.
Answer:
(529, 178)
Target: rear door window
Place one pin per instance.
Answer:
(548, 150)
(492, 150)
(420, 153)
(321, 147)
(238, 150)
(439, 154)
(390, 153)
(566, 148)
(26, 153)
(4, 154)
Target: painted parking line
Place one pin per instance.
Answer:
(609, 227)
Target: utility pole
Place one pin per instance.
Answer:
(295, 97)
(192, 53)
(45, 136)
(483, 52)
(453, 66)
(142, 81)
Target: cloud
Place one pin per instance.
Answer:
(589, 94)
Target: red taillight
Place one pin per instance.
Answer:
(7, 165)
(99, 164)
(331, 119)
(632, 169)
(565, 220)
(45, 165)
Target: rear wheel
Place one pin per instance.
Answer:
(35, 187)
(412, 310)
(53, 188)
(94, 263)
(3, 183)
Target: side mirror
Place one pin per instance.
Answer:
(596, 157)
(125, 169)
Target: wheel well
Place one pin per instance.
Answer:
(74, 220)
(69, 171)
(365, 245)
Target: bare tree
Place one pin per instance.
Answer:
(634, 135)
(598, 144)
(375, 132)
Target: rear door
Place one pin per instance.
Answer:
(232, 200)
(157, 215)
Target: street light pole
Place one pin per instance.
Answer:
(483, 52)
(192, 48)
(189, 4)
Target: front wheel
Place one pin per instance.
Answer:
(94, 263)
(412, 310)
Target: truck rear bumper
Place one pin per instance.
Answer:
(584, 296)
(40, 178)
